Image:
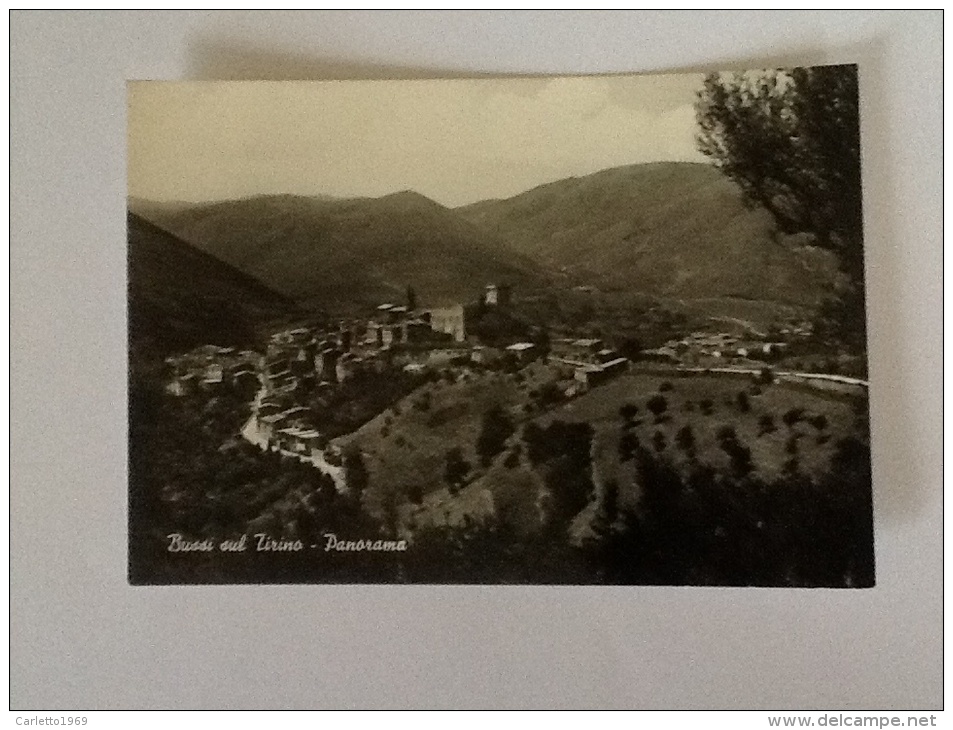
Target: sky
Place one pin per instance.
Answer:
(455, 141)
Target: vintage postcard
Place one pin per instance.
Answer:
(592, 330)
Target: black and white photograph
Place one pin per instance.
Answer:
(591, 330)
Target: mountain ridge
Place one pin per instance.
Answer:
(669, 229)
(346, 254)
(180, 297)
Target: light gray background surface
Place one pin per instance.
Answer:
(83, 639)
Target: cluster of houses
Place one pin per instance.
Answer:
(210, 367)
(591, 361)
(300, 362)
(705, 347)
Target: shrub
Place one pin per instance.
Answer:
(819, 421)
(665, 387)
(415, 493)
(456, 469)
(726, 434)
(628, 411)
(657, 404)
(685, 439)
(496, 428)
(766, 424)
(744, 405)
(707, 406)
(738, 453)
(628, 445)
(658, 441)
(792, 417)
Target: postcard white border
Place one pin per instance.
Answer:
(81, 637)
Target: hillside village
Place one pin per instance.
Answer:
(308, 376)
(303, 363)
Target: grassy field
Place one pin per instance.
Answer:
(405, 447)
(809, 438)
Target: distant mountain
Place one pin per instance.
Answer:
(155, 209)
(677, 230)
(180, 297)
(345, 254)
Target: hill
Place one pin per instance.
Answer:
(342, 255)
(675, 230)
(180, 297)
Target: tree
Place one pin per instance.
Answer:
(744, 405)
(456, 469)
(356, 476)
(496, 429)
(685, 439)
(628, 412)
(790, 138)
(658, 405)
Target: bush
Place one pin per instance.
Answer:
(628, 411)
(685, 439)
(658, 441)
(657, 404)
(415, 494)
(792, 417)
(456, 469)
(766, 424)
(707, 406)
(423, 403)
(819, 421)
(496, 428)
(738, 453)
(791, 466)
(628, 445)
(665, 387)
(548, 393)
(744, 405)
(726, 434)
